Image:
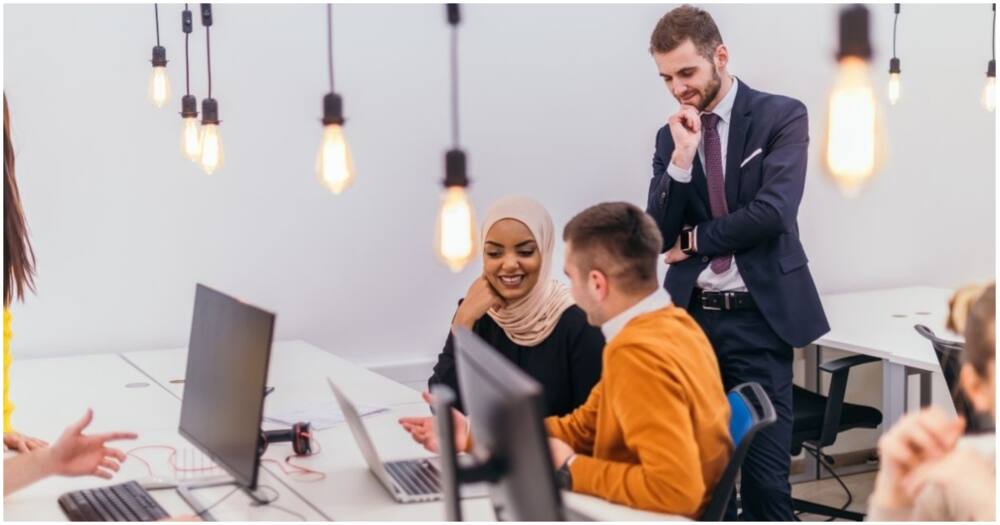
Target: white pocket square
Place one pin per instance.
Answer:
(752, 155)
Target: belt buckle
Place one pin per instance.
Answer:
(726, 297)
(706, 306)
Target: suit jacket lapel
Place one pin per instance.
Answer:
(738, 130)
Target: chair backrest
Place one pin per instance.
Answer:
(751, 411)
(949, 356)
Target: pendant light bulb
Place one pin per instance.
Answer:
(211, 155)
(988, 97)
(894, 81)
(455, 238)
(190, 130)
(334, 165)
(456, 231)
(852, 147)
(159, 84)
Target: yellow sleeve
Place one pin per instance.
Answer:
(579, 427)
(668, 476)
(8, 407)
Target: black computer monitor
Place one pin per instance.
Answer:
(227, 364)
(444, 424)
(505, 407)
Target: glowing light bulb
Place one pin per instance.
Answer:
(191, 139)
(893, 88)
(190, 132)
(852, 140)
(334, 165)
(988, 98)
(211, 148)
(211, 141)
(989, 94)
(159, 84)
(456, 238)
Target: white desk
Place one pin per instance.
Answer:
(350, 492)
(51, 393)
(880, 323)
(298, 371)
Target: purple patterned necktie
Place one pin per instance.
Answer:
(716, 183)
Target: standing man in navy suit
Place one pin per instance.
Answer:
(728, 176)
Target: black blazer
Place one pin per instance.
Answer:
(761, 229)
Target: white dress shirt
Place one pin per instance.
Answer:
(729, 280)
(654, 301)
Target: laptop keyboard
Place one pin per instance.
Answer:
(418, 477)
(124, 502)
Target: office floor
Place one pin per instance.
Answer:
(829, 492)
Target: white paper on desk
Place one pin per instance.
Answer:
(321, 416)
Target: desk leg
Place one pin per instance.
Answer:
(925, 389)
(893, 393)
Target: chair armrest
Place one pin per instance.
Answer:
(844, 363)
(839, 369)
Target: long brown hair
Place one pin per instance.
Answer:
(18, 256)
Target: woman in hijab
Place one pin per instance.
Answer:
(523, 313)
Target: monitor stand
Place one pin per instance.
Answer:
(186, 492)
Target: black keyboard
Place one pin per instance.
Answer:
(417, 477)
(124, 502)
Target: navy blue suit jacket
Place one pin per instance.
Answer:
(761, 229)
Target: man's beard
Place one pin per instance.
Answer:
(711, 91)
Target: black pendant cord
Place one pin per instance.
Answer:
(329, 42)
(994, 45)
(156, 12)
(895, 21)
(208, 54)
(187, 58)
(454, 79)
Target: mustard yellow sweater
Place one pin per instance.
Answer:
(654, 433)
(8, 407)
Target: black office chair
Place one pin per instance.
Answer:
(949, 356)
(746, 419)
(818, 419)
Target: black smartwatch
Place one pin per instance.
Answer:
(563, 476)
(687, 241)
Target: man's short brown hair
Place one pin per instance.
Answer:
(683, 23)
(618, 239)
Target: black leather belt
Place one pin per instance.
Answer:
(725, 301)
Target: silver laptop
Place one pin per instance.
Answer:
(408, 480)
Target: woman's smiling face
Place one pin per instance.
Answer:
(511, 259)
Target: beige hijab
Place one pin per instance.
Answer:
(529, 320)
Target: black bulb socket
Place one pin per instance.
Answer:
(454, 169)
(189, 106)
(206, 15)
(210, 111)
(894, 66)
(159, 56)
(333, 110)
(187, 23)
(454, 16)
(854, 36)
(991, 69)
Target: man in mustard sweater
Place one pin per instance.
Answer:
(654, 432)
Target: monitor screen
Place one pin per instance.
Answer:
(505, 408)
(227, 363)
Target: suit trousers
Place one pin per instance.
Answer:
(749, 350)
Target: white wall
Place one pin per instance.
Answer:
(559, 102)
